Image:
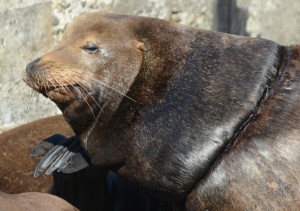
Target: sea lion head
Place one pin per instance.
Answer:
(90, 71)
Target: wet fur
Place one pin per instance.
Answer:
(210, 120)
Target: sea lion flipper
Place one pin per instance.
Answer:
(75, 160)
(48, 159)
(57, 162)
(70, 161)
(77, 163)
(43, 147)
(61, 154)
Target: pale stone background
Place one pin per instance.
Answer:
(30, 28)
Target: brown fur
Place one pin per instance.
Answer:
(261, 171)
(203, 119)
(33, 201)
(16, 166)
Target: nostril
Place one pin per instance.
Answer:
(30, 66)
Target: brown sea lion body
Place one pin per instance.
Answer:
(16, 167)
(204, 119)
(84, 189)
(33, 201)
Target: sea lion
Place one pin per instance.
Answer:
(16, 167)
(203, 119)
(33, 201)
(84, 189)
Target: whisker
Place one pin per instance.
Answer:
(73, 92)
(87, 104)
(16, 98)
(16, 86)
(77, 94)
(29, 104)
(99, 76)
(85, 99)
(90, 95)
(13, 90)
(95, 81)
(66, 81)
(110, 87)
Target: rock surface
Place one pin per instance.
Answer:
(25, 34)
(273, 19)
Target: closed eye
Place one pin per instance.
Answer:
(91, 48)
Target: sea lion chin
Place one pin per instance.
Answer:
(190, 115)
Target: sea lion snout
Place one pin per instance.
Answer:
(30, 73)
(30, 66)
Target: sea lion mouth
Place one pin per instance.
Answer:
(65, 93)
(31, 83)
(57, 92)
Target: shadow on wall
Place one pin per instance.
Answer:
(229, 18)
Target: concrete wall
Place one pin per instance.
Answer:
(30, 28)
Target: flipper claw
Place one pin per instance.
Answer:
(60, 154)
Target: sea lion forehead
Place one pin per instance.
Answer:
(96, 22)
(82, 39)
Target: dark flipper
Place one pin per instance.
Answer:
(61, 154)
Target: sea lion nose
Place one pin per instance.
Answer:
(30, 66)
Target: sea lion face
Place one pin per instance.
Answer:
(86, 72)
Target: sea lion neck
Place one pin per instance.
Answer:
(73, 113)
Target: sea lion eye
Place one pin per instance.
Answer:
(91, 48)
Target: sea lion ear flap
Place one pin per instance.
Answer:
(141, 46)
